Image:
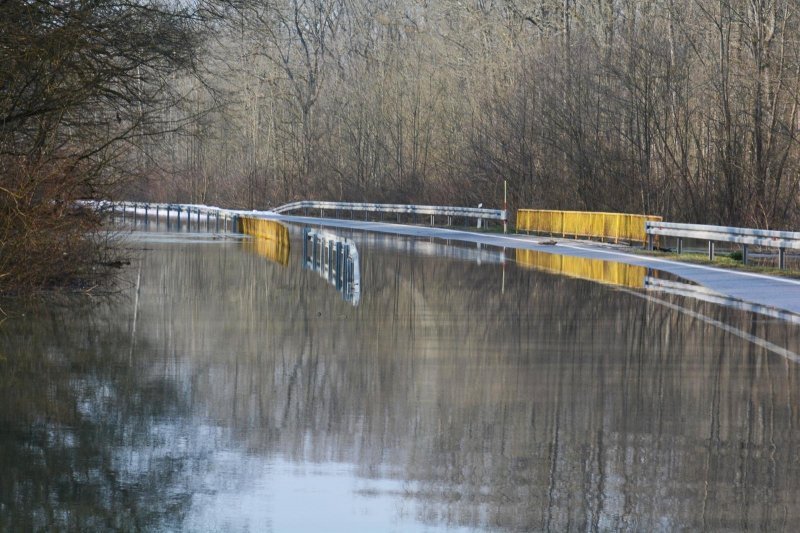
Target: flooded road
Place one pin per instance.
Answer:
(231, 388)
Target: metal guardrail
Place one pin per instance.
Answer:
(427, 210)
(782, 240)
(177, 213)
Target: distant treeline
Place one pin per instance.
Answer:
(683, 109)
(687, 110)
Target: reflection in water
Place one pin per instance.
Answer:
(276, 251)
(254, 393)
(335, 258)
(608, 272)
(653, 284)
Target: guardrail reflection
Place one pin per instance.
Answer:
(336, 260)
(607, 272)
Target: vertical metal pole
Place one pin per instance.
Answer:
(680, 245)
(169, 223)
(178, 209)
(217, 226)
(208, 219)
(146, 214)
(781, 258)
(649, 241)
(135, 212)
(710, 250)
(505, 206)
(744, 254)
(431, 220)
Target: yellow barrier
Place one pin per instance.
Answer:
(273, 238)
(606, 272)
(614, 226)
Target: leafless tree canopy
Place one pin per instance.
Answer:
(687, 110)
(82, 82)
(682, 109)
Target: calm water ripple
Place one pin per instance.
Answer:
(467, 391)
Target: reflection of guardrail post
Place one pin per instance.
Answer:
(338, 265)
(305, 246)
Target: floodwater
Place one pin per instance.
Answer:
(228, 389)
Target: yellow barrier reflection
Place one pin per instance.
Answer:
(272, 241)
(607, 272)
(614, 226)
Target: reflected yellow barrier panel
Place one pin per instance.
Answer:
(272, 241)
(588, 224)
(607, 272)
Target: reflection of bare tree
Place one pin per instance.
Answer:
(80, 445)
(558, 403)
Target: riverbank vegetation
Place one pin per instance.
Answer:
(684, 110)
(83, 87)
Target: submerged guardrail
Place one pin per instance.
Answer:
(177, 214)
(336, 260)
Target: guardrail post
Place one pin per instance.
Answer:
(680, 245)
(217, 225)
(781, 258)
(146, 214)
(744, 254)
(135, 209)
(169, 222)
(208, 219)
(431, 220)
(178, 209)
(710, 250)
(649, 241)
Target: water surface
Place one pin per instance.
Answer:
(223, 390)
